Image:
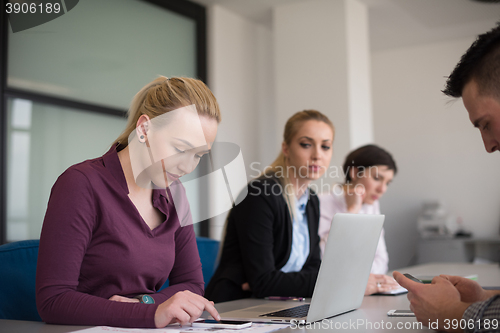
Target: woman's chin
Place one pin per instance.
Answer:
(314, 176)
(161, 183)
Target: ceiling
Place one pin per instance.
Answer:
(395, 23)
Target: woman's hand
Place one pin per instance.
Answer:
(354, 197)
(183, 308)
(379, 283)
(118, 298)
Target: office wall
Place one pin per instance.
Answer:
(240, 76)
(439, 153)
(262, 76)
(322, 61)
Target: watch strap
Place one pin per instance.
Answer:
(145, 299)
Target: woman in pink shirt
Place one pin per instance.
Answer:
(368, 171)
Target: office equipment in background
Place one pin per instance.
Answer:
(475, 249)
(436, 222)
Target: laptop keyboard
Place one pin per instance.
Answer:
(296, 312)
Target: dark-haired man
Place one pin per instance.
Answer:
(476, 79)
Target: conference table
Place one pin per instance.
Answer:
(370, 317)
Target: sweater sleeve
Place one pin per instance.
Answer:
(186, 273)
(325, 219)
(381, 261)
(66, 233)
(255, 218)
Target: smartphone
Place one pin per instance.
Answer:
(231, 324)
(426, 278)
(411, 277)
(400, 313)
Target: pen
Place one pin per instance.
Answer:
(285, 298)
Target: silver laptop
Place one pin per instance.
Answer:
(342, 277)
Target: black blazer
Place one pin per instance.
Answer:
(257, 245)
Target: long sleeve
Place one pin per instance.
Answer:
(381, 261)
(186, 273)
(67, 230)
(486, 313)
(259, 223)
(328, 208)
(333, 203)
(95, 244)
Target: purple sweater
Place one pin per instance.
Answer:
(95, 244)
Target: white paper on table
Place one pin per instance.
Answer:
(108, 329)
(255, 328)
(397, 291)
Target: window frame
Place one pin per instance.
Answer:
(183, 7)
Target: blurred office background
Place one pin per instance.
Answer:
(375, 67)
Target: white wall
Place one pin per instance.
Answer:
(311, 69)
(439, 153)
(359, 74)
(240, 76)
(262, 76)
(322, 62)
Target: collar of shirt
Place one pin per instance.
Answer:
(112, 163)
(302, 201)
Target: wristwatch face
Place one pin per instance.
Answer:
(146, 299)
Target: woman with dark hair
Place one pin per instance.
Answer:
(368, 171)
(271, 242)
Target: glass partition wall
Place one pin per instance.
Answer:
(66, 85)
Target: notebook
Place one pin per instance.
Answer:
(342, 277)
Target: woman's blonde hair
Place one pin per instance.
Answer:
(163, 95)
(279, 168)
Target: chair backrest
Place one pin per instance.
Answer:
(208, 250)
(17, 280)
(18, 271)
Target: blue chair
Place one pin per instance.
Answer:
(208, 250)
(17, 280)
(18, 270)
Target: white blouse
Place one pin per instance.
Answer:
(332, 203)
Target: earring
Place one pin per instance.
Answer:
(142, 137)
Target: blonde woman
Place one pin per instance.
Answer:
(112, 236)
(271, 244)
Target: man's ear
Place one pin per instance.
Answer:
(142, 128)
